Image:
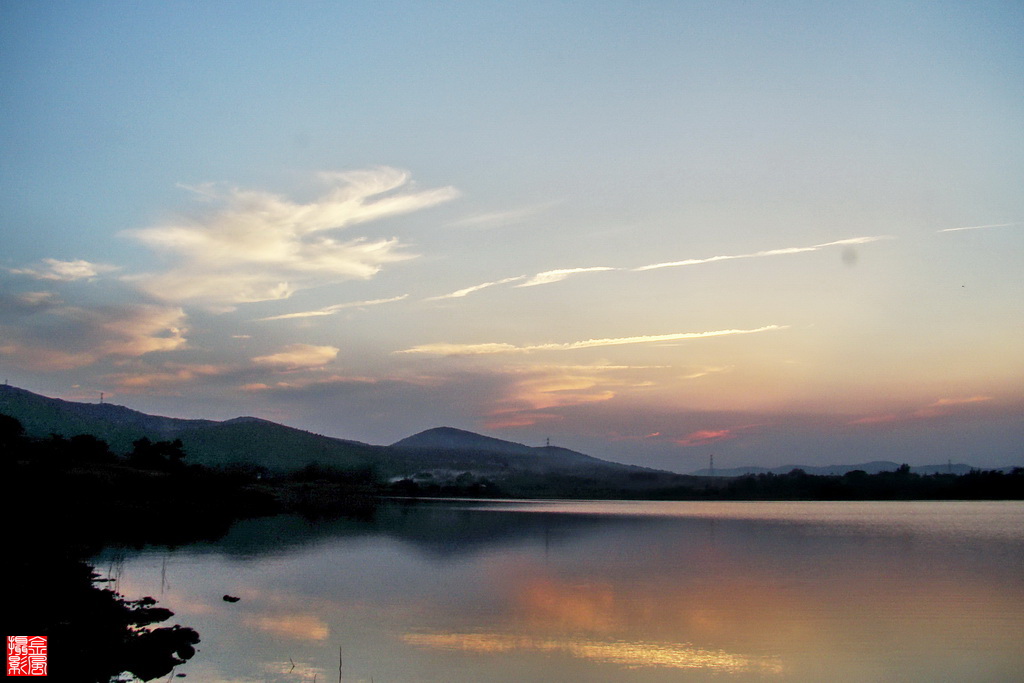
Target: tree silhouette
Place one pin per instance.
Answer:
(159, 455)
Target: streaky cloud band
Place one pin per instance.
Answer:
(64, 271)
(449, 349)
(766, 252)
(979, 227)
(458, 294)
(331, 310)
(549, 276)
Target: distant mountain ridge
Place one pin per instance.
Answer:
(873, 467)
(433, 454)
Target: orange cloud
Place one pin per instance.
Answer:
(501, 421)
(296, 356)
(543, 393)
(172, 374)
(553, 387)
(702, 437)
(81, 336)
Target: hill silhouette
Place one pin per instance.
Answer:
(242, 440)
(458, 444)
(452, 439)
(433, 457)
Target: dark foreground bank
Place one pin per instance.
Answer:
(66, 499)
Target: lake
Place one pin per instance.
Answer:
(477, 591)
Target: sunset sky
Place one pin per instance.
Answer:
(778, 232)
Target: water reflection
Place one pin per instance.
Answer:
(470, 592)
(630, 655)
(298, 626)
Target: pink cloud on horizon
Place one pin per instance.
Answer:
(702, 437)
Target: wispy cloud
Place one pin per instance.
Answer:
(247, 245)
(306, 382)
(23, 303)
(697, 373)
(449, 349)
(497, 219)
(299, 356)
(940, 408)
(331, 310)
(944, 402)
(765, 253)
(549, 276)
(946, 406)
(979, 227)
(64, 271)
(458, 294)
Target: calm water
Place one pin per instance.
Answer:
(593, 591)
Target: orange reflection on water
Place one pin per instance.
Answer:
(732, 610)
(590, 607)
(629, 654)
(298, 626)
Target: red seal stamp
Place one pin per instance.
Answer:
(26, 655)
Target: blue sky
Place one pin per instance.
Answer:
(647, 230)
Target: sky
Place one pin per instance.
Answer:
(775, 232)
